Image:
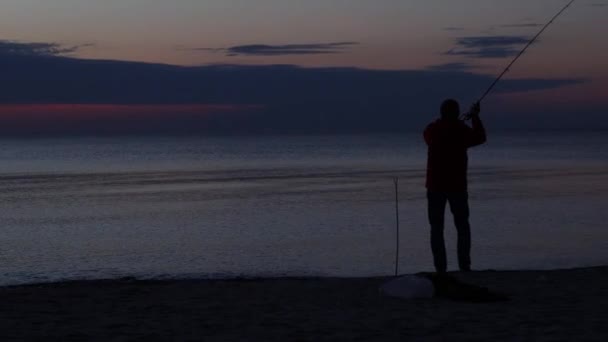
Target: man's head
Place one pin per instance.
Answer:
(450, 109)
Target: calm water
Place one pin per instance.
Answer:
(287, 206)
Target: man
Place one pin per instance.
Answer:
(448, 139)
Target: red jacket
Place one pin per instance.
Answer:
(448, 141)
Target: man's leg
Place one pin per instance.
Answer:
(459, 205)
(436, 212)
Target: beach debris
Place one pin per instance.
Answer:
(436, 285)
(450, 287)
(409, 287)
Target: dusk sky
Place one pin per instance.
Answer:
(402, 57)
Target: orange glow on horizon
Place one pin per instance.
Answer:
(577, 96)
(100, 111)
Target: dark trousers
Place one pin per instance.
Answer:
(459, 205)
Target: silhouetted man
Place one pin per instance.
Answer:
(448, 139)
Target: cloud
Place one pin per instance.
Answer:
(453, 28)
(281, 50)
(522, 25)
(488, 46)
(280, 99)
(449, 67)
(8, 47)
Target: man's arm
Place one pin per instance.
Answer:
(478, 132)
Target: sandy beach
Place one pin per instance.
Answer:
(543, 305)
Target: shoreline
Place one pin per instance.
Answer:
(177, 279)
(245, 278)
(555, 304)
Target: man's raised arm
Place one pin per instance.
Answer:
(478, 132)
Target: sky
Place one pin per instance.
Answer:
(295, 66)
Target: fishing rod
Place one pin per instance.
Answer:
(491, 87)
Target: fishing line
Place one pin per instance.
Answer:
(491, 87)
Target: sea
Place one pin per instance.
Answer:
(160, 207)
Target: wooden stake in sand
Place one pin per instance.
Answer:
(396, 180)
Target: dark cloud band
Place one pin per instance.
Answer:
(288, 99)
(8, 47)
(488, 46)
(281, 50)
